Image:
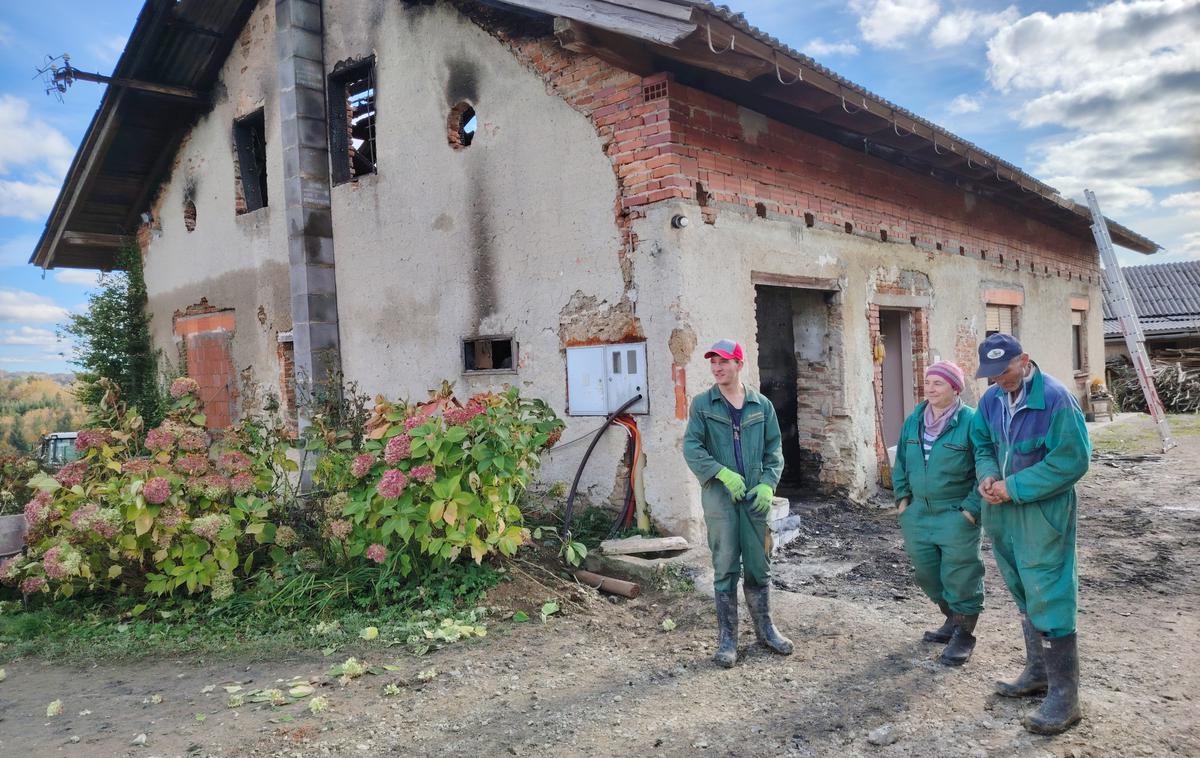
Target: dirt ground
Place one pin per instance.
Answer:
(606, 678)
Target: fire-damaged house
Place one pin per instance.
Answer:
(572, 198)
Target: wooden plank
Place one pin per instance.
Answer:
(95, 239)
(617, 18)
(790, 280)
(635, 545)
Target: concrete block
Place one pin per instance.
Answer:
(644, 570)
(780, 507)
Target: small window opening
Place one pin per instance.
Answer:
(938, 246)
(702, 196)
(1001, 259)
(250, 143)
(460, 127)
(962, 250)
(983, 256)
(913, 240)
(189, 215)
(1077, 341)
(849, 228)
(809, 220)
(489, 354)
(760, 210)
(616, 361)
(352, 123)
(883, 235)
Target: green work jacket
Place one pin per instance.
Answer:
(708, 441)
(947, 480)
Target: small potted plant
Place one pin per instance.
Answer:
(1099, 400)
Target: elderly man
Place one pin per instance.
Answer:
(1031, 446)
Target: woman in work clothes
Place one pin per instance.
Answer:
(934, 486)
(734, 448)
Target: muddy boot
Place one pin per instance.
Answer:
(1032, 680)
(962, 642)
(727, 624)
(1060, 709)
(758, 600)
(943, 633)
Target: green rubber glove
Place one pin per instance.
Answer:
(762, 495)
(733, 482)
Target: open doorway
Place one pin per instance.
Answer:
(799, 346)
(896, 379)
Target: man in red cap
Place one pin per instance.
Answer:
(734, 448)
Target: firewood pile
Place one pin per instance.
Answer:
(1176, 377)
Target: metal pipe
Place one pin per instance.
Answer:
(608, 584)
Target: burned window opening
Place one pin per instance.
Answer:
(489, 354)
(352, 123)
(189, 215)
(849, 228)
(461, 126)
(883, 235)
(810, 220)
(760, 210)
(250, 142)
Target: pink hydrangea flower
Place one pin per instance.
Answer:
(90, 438)
(61, 561)
(33, 584)
(462, 416)
(193, 464)
(169, 518)
(210, 526)
(241, 483)
(159, 438)
(392, 484)
(71, 475)
(37, 510)
(81, 519)
(214, 486)
(423, 474)
(377, 553)
(10, 568)
(398, 448)
(340, 528)
(157, 490)
(184, 385)
(234, 462)
(193, 439)
(336, 504)
(361, 465)
(136, 467)
(412, 422)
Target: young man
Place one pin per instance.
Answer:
(1031, 446)
(734, 448)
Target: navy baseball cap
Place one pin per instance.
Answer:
(996, 352)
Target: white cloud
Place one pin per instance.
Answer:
(1121, 83)
(887, 23)
(77, 276)
(27, 200)
(964, 104)
(1188, 201)
(961, 25)
(28, 335)
(107, 51)
(16, 251)
(1191, 245)
(21, 305)
(819, 48)
(27, 140)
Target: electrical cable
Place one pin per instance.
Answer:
(568, 510)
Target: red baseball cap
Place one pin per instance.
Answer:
(727, 349)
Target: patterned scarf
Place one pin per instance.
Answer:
(934, 424)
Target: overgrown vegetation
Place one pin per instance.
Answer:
(112, 340)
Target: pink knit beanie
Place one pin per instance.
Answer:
(948, 371)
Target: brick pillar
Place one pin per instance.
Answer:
(302, 120)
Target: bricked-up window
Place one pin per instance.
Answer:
(250, 144)
(1000, 318)
(352, 144)
(490, 354)
(1078, 348)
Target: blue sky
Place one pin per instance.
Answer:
(1103, 95)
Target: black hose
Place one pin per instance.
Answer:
(579, 473)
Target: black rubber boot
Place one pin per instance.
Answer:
(727, 626)
(943, 633)
(1060, 710)
(1032, 680)
(758, 600)
(962, 642)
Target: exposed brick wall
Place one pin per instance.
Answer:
(206, 333)
(286, 354)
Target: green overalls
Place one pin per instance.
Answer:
(738, 536)
(1040, 451)
(939, 539)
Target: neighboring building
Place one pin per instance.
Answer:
(492, 186)
(1166, 297)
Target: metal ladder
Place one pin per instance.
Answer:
(1121, 303)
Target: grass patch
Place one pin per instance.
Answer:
(273, 617)
(1139, 436)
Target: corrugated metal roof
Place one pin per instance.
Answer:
(1166, 297)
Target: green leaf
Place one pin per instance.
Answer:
(137, 610)
(520, 616)
(198, 419)
(549, 609)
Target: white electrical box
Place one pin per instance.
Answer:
(601, 378)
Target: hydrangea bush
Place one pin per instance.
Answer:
(433, 480)
(190, 513)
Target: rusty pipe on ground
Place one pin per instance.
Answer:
(608, 584)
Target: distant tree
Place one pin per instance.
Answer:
(113, 339)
